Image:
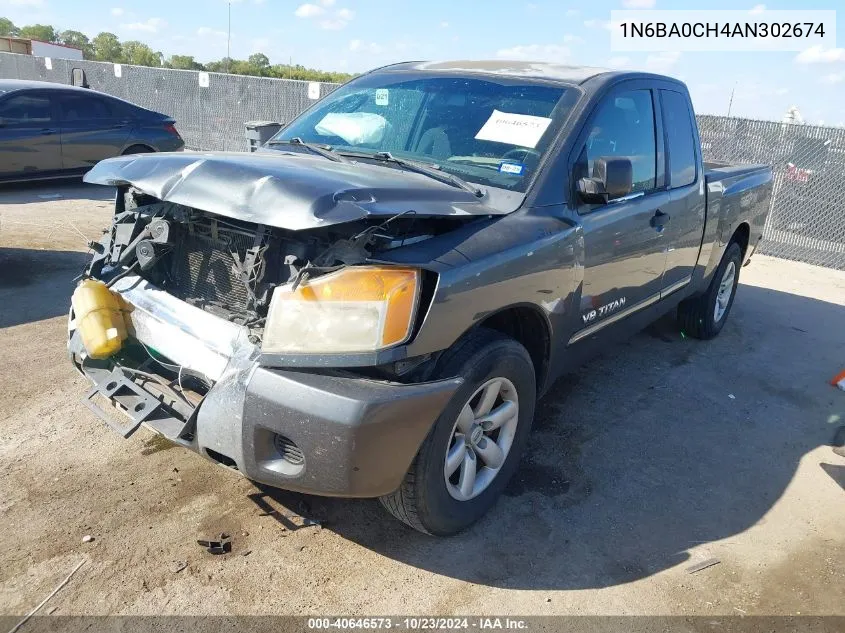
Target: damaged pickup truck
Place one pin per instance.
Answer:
(371, 305)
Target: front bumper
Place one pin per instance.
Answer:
(354, 437)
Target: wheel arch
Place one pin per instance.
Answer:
(741, 235)
(527, 324)
(145, 146)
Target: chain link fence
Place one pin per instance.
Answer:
(807, 218)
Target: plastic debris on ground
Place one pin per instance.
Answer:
(223, 544)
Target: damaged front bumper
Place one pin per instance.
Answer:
(334, 435)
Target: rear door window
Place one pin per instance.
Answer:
(84, 108)
(680, 138)
(624, 127)
(26, 109)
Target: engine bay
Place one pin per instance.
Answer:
(230, 267)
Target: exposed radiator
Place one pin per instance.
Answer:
(204, 269)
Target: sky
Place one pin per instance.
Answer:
(356, 35)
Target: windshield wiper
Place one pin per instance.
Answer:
(431, 172)
(323, 150)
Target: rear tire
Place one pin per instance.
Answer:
(704, 316)
(137, 149)
(434, 502)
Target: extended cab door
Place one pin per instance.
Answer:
(30, 144)
(93, 128)
(685, 222)
(623, 244)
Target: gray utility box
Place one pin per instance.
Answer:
(259, 132)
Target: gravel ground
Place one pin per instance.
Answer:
(656, 457)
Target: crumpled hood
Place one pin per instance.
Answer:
(290, 191)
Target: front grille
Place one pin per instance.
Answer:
(204, 270)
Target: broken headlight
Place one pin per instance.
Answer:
(356, 309)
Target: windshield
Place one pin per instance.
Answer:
(491, 131)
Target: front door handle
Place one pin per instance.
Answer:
(49, 130)
(659, 219)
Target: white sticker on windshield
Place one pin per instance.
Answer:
(516, 129)
(382, 96)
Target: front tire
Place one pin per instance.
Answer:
(474, 448)
(704, 316)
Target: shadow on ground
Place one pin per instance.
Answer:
(45, 190)
(662, 445)
(37, 284)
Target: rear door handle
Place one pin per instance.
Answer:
(659, 219)
(49, 130)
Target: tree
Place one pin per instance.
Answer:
(43, 32)
(77, 40)
(107, 48)
(139, 54)
(259, 63)
(183, 62)
(8, 28)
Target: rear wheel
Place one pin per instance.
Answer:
(704, 316)
(137, 149)
(475, 445)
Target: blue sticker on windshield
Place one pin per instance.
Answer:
(512, 168)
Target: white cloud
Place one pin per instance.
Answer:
(308, 10)
(598, 24)
(358, 46)
(444, 25)
(662, 62)
(261, 45)
(341, 19)
(833, 78)
(23, 3)
(757, 9)
(334, 22)
(620, 61)
(820, 55)
(539, 52)
(572, 13)
(568, 38)
(205, 31)
(117, 12)
(333, 25)
(639, 4)
(153, 25)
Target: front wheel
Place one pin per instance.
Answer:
(704, 316)
(474, 447)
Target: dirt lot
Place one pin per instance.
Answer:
(658, 456)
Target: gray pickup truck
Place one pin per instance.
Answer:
(371, 305)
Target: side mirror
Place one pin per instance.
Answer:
(613, 177)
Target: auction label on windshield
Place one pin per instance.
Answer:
(757, 29)
(516, 129)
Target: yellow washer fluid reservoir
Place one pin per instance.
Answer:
(100, 318)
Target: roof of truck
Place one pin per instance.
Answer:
(507, 68)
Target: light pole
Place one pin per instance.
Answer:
(229, 39)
